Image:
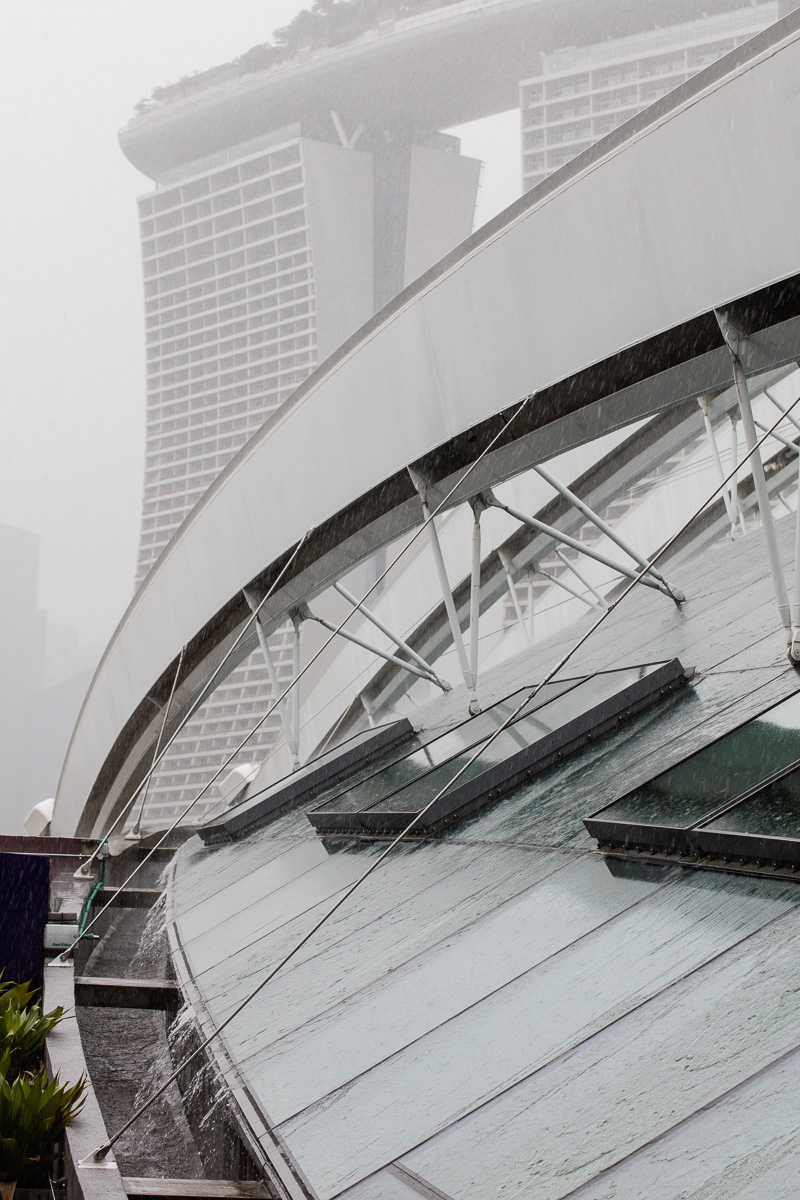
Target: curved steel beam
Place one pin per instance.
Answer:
(610, 477)
(633, 245)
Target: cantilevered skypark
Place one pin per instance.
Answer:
(415, 76)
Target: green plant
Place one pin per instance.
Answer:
(15, 995)
(33, 1113)
(22, 1036)
(23, 1028)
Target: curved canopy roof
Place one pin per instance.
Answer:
(594, 294)
(500, 1010)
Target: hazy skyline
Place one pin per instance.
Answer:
(73, 362)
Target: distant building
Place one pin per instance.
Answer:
(581, 93)
(259, 261)
(22, 654)
(45, 675)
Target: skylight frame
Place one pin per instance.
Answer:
(307, 784)
(502, 777)
(694, 843)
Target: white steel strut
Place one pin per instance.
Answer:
(306, 614)
(794, 649)
(398, 641)
(571, 566)
(505, 559)
(529, 576)
(478, 506)
(733, 338)
(297, 622)
(290, 731)
(778, 437)
(565, 587)
(734, 481)
(727, 493)
(558, 536)
(605, 528)
(789, 416)
(447, 593)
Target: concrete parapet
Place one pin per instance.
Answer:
(65, 1057)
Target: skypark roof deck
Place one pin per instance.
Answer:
(426, 73)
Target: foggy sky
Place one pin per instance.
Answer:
(73, 362)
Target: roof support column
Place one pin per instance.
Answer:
(734, 483)
(478, 507)
(529, 577)
(794, 649)
(732, 339)
(512, 591)
(447, 593)
(297, 622)
(283, 708)
(703, 402)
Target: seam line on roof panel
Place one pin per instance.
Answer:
(417, 1183)
(534, 847)
(723, 1096)
(558, 867)
(598, 1033)
(718, 669)
(487, 996)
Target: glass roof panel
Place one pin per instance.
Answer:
(547, 809)
(633, 1081)
(703, 1156)
(321, 773)
(449, 978)
(772, 811)
(440, 749)
(525, 731)
(720, 772)
(392, 791)
(655, 961)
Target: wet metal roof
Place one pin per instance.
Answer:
(500, 1010)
